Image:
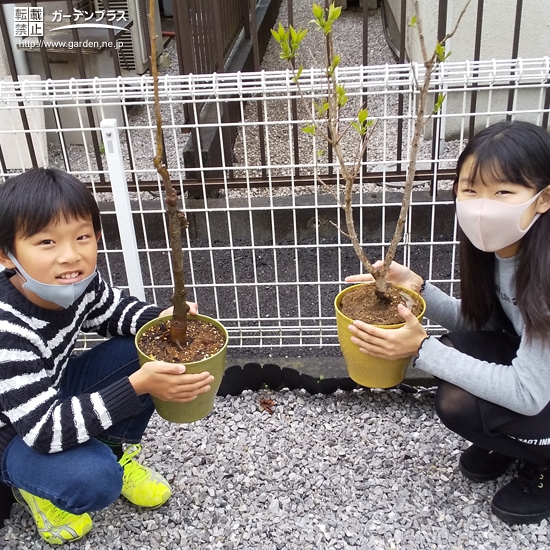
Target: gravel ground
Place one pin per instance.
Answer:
(361, 469)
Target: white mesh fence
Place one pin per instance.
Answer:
(266, 260)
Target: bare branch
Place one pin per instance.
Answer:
(307, 107)
(363, 148)
(350, 170)
(327, 186)
(420, 29)
(340, 229)
(176, 219)
(457, 24)
(430, 63)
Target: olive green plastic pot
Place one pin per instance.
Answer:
(215, 365)
(368, 371)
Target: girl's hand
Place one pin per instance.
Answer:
(390, 343)
(397, 274)
(168, 381)
(193, 309)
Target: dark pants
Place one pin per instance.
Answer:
(87, 477)
(483, 423)
(6, 500)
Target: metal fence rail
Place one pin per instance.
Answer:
(264, 262)
(232, 35)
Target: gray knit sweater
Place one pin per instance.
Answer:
(523, 386)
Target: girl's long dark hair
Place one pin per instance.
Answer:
(516, 152)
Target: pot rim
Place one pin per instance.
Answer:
(338, 299)
(199, 317)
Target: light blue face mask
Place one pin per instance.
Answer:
(62, 295)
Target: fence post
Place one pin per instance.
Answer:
(123, 209)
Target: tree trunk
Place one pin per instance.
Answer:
(176, 219)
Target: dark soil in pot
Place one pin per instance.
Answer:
(204, 340)
(362, 304)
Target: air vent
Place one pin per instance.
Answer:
(133, 54)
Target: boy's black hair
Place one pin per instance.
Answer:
(516, 152)
(32, 200)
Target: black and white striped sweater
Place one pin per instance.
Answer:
(35, 346)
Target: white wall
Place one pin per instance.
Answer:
(498, 28)
(496, 43)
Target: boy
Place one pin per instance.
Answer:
(64, 419)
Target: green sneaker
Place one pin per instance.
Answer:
(141, 485)
(54, 525)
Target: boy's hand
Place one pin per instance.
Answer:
(168, 381)
(193, 309)
(390, 343)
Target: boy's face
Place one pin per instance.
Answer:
(64, 252)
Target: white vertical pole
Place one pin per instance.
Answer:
(123, 210)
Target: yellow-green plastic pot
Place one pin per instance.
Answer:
(215, 365)
(368, 371)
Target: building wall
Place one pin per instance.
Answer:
(498, 28)
(496, 43)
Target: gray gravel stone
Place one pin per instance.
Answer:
(364, 469)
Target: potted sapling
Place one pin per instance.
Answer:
(197, 341)
(375, 303)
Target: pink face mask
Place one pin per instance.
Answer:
(492, 225)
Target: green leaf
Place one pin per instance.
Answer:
(363, 122)
(439, 103)
(320, 20)
(335, 62)
(298, 74)
(318, 10)
(321, 108)
(289, 40)
(413, 21)
(333, 13)
(309, 129)
(293, 34)
(286, 52)
(442, 55)
(342, 95)
(283, 34)
(362, 115)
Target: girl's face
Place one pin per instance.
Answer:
(62, 253)
(469, 187)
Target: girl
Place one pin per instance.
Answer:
(494, 367)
